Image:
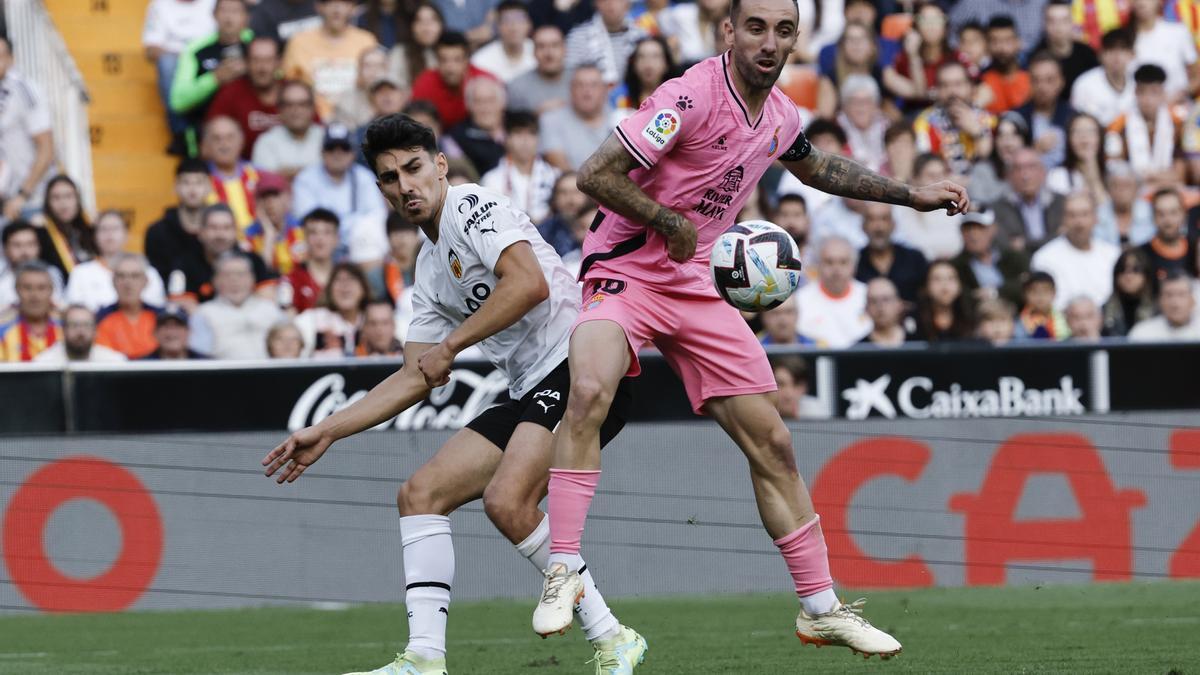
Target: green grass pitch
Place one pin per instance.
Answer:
(1110, 628)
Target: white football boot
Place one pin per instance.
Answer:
(555, 610)
(845, 627)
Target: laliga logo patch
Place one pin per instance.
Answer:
(662, 127)
(593, 302)
(455, 265)
(774, 146)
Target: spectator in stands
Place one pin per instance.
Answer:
(385, 20)
(985, 269)
(1094, 19)
(127, 325)
(21, 246)
(170, 26)
(972, 48)
(650, 64)
(1028, 215)
(1074, 57)
(986, 180)
(1040, 319)
(91, 284)
(394, 278)
(792, 377)
(210, 62)
(284, 341)
(571, 134)
(281, 19)
(1169, 250)
(856, 54)
(605, 41)
(1125, 219)
(883, 257)
(954, 128)
(253, 99)
(276, 236)
(1004, 85)
(379, 331)
(996, 321)
(34, 328)
(1106, 91)
(414, 54)
(779, 325)
(65, 235)
(1177, 319)
(386, 97)
(1148, 135)
(826, 136)
(217, 236)
(1080, 263)
(565, 201)
(900, 147)
(309, 278)
(473, 19)
(577, 228)
(1084, 166)
(78, 341)
(295, 143)
(1132, 299)
(174, 235)
(1027, 14)
(1166, 44)
(27, 138)
(547, 86)
(934, 234)
(912, 75)
(171, 333)
(331, 328)
(886, 311)
(354, 108)
(511, 54)
(444, 85)
(791, 213)
(863, 120)
(832, 310)
(1046, 113)
(326, 56)
(426, 113)
(481, 135)
(523, 176)
(1083, 319)
(348, 189)
(233, 180)
(234, 324)
(944, 312)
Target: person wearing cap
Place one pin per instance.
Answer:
(127, 326)
(327, 56)
(252, 100)
(985, 269)
(171, 332)
(347, 189)
(296, 142)
(276, 235)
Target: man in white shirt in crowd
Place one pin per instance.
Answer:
(833, 310)
(170, 25)
(1107, 90)
(20, 242)
(1080, 263)
(295, 143)
(234, 324)
(606, 40)
(547, 86)
(79, 334)
(512, 53)
(348, 189)
(523, 176)
(571, 134)
(26, 140)
(1178, 320)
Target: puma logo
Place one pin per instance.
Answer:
(544, 406)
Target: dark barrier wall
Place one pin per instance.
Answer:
(187, 520)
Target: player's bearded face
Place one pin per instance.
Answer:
(763, 35)
(413, 182)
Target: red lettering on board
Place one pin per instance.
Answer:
(1184, 445)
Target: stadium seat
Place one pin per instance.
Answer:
(800, 83)
(895, 26)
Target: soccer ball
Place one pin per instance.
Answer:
(755, 265)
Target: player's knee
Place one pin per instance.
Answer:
(590, 399)
(417, 497)
(775, 453)
(505, 507)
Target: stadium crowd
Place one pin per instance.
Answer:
(1073, 123)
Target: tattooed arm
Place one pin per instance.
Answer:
(844, 177)
(605, 178)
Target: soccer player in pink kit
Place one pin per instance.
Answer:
(670, 180)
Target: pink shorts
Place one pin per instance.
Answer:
(704, 340)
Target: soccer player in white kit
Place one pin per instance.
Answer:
(485, 278)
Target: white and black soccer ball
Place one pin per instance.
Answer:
(755, 265)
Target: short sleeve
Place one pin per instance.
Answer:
(674, 111)
(490, 227)
(427, 324)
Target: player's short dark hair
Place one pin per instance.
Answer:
(15, 227)
(452, 39)
(396, 132)
(321, 215)
(970, 25)
(925, 159)
(191, 165)
(212, 209)
(1149, 73)
(398, 223)
(1001, 22)
(1166, 192)
(520, 120)
(736, 5)
(896, 130)
(821, 126)
(512, 5)
(1117, 38)
(1044, 56)
(793, 198)
(1037, 277)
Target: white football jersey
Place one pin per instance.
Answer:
(456, 275)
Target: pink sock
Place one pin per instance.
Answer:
(807, 558)
(571, 494)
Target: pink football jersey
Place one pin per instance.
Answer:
(701, 155)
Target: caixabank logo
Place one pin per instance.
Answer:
(916, 397)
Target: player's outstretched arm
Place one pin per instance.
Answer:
(846, 178)
(401, 390)
(605, 178)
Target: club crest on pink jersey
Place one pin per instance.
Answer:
(593, 302)
(774, 143)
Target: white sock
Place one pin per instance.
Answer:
(821, 602)
(571, 560)
(428, 575)
(594, 616)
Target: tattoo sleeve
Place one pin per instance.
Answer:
(605, 178)
(846, 178)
